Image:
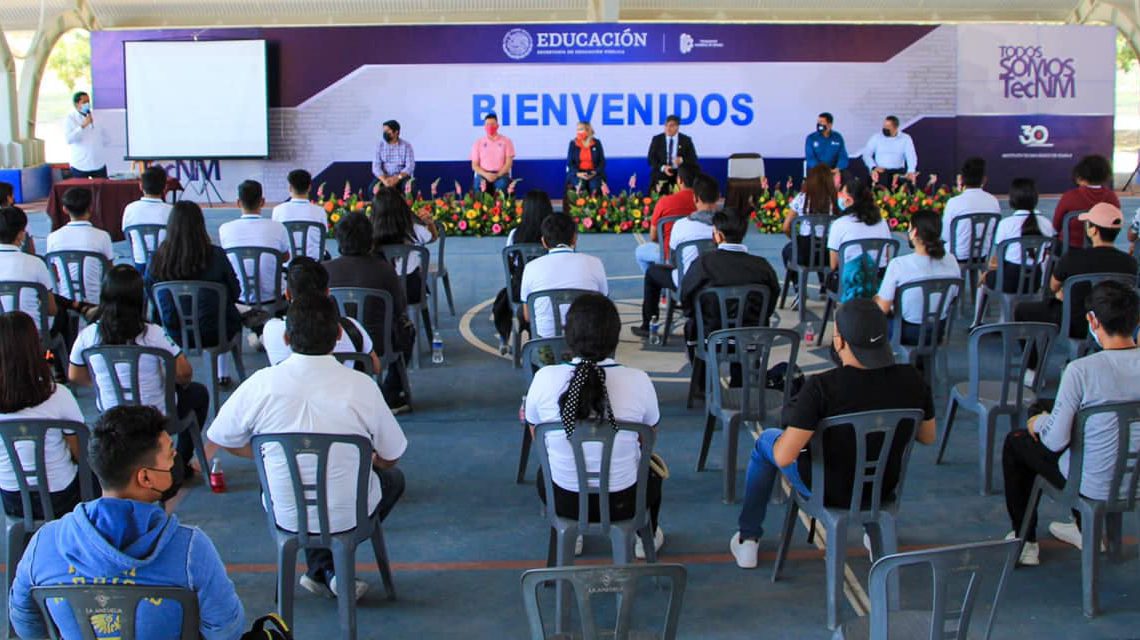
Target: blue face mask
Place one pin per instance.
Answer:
(841, 203)
(1095, 338)
(85, 109)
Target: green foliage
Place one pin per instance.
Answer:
(1125, 54)
(70, 60)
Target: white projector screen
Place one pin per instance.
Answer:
(206, 99)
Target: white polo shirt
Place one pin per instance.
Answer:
(1010, 228)
(633, 399)
(971, 200)
(145, 210)
(251, 230)
(273, 338)
(152, 386)
(912, 268)
(301, 210)
(423, 236)
(312, 394)
(17, 266)
(61, 469)
(688, 229)
(560, 268)
(849, 227)
(84, 143)
(81, 236)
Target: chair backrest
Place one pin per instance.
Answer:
(125, 361)
(981, 227)
(312, 495)
(10, 293)
(875, 435)
(557, 299)
(731, 306)
(1065, 230)
(745, 166)
(875, 252)
(749, 351)
(625, 582)
(361, 362)
(596, 482)
(515, 259)
(247, 265)
(1017, 340)
(102, 607)
(677, 257)
(817, 226)
(352, 302)
(1035, 254)
(540, 352)
(299, 232)
(1075, 290)
(69, 269)
(663, 225)
(146, 237)
(186, 297)
(962, 576)
(398, 255)
(14, 432)
(1122, 493)
(939, 302)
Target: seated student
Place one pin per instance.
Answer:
(122, 321)
(868, 380)
(680, 203)
(819, 196)
(1041, 449)
(298, 208)
(973, 199)
(251, 230)
(27, 392)
(861, 220)
(394, 222)
(593, 386)
(80, 235)
(929, 261)
(536, 208)
(8, 199)
(150, 209)
(125, 537)
(696, 226)
(1093, 176)
(1024, 223)
(310, 392)
(561, 268)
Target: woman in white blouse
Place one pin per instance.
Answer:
(929, 261)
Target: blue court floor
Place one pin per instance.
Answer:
(464, 531)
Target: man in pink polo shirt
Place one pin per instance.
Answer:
(492, 157)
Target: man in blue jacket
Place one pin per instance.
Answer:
(126, 538)
(825, 145)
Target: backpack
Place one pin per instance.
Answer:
(258, 631)
(860, 278)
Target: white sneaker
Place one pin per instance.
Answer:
(1030, 377)
(658, 541)
(361, 588)
(579, 543)
(746, 552)
(1068, 532)
(1030, 552)
(329, 590)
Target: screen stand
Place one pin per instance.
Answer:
(206, 185)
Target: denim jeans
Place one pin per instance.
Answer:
(646, 254)
(500, 184)
(759, 481)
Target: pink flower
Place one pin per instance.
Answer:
(321, 192)
(605, 189)
(588, 223)
(458, 189)
(633, 182)
(511, 186)
(408, 187)
(462, 225)
(764, 183)
(435, 187)
(893, 222)
(496, 229)
(347, 190)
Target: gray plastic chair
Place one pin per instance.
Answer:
(515, 258)
(732, 306)
(315, 495)
(873, 247)
(624, 583)
(125, 361)
(1066, 235)
(118, 601)
(361, 362)
(1073, 348)
(12, 290)
(557, 299)
(963, 575)
(300, 232)
(398, 255)
(186, 300)
(876, 515)
(246, 262)
(982, 228)
(817, 260)
(749, 350)
(939, 299)
(1032, 273)
(664, 224)
(538, 353)
(437, 273)
(19, 530)
(1098, 517)
(62, 263)
(677, 258)
(146, 237)
(990, 397)
(352, 302)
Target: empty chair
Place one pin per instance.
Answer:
(400, 255)
(145, 238)
(677, 259)
(437, 273)
(306, 238)
(260, 270)
(997, 390)
(538, 353)
(1016, 281)
(515, 258)
(808, 256)
(103, 606)
(938, 299)
(864, 253)
(979, 233)
(359, 304)
(963, 577)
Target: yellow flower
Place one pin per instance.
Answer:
(637, 214)
(335, 218)
(495, 219)
(471, 214)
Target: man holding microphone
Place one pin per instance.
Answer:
(890, 153)
(84, 142)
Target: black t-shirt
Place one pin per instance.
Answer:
(1077, 262)
(851, 390)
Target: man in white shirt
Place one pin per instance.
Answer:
(79, 235)
(890, 153)
(561, 268)
(150, 209)
(251, 230)
(298, 208)
(973, 199)
(84, 141)
(310, 392)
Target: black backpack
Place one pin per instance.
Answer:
(268, 627)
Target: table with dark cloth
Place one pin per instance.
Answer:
(108, 199)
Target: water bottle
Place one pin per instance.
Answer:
(522, 410)
(654, 332)
(217, 477)
(809, 333)
(436, 348)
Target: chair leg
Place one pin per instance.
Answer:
(944, 437)
(834, 557)
(694, 389)
(731, 438)
(565, 558)
(344, 563)
(524, 454)
(516, 344)
(13, 550)
(668, 328)
(447, 292)
(885, 542)
(785, 536)
(801, 281)
(1092, 530)
(784, 289)
(195, 432)
(706, 441)
(286, 577)
(621, 545)
(827, 309)
(380, 550)
(418, 323)
(238, 363)
(211, 361)
(434, 304)
(986, 428)
(1114, 535)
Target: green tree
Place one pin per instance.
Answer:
(70, 60)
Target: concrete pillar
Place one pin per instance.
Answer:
(10, 155)
(603, 10)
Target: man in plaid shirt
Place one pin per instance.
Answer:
(394, 161)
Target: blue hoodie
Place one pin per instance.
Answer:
(125, 542)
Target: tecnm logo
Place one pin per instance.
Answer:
(1034, 135)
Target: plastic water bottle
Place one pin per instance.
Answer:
(809, 332)
(217, 477)
(654, 332)
(436, 348)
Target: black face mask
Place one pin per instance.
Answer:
(177, 477)
(821, 128)
(886, 132)
(387, 137)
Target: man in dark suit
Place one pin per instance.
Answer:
(667, 151)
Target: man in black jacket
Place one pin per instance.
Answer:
(667, 151)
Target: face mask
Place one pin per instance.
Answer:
(821, 128)
(581, 135)
(177, 477)
(85, 109)
(886, 132)
(1095, 337)
(841, 202)
(491, 129)
(387, 137)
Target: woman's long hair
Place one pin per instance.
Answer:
(593, 327)
(536, 208)
(1023, 197)
(122, 306)
(927, 226)
(819, 191)
(25, 374)
(862, 201)
(392, 219)
(185, 253)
